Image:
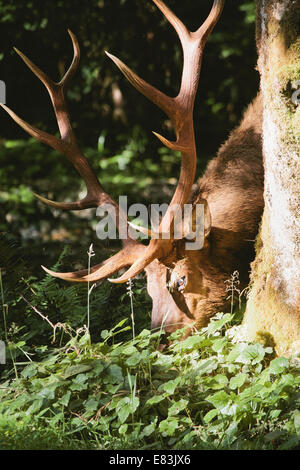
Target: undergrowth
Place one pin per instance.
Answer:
(204, 392)
(118, 390)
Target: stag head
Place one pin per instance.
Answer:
(174, 273)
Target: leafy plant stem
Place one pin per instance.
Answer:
(89, 290)
(130, 293)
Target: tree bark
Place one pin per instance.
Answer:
(273, 310)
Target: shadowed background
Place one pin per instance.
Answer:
(112, 121)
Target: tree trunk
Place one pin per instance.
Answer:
(273, 310)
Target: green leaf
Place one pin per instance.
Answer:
(237, 381)
(47, 392)
(114, 374)
(210, 415)
(36, 406)
(274, 414)
(98, 367)
(219, 400)
(80, 379)
(177, 407)
(156, 399)
(134, 359)
(234, 354)
(164, 360)
(217, 382)
(123, 429)
(65, 399)
(217, 325)
(279, 365)
(120, 324)
(168, 426)
(250, 353)
(105, 334)
(170, 386)
(76, 369)
(192, 342)
(123, 413)
(205, 366)
(129, 350)
(229, 410)
(58, 417)
(29, 371)
(219, 344)
(79, 382)
(126, 407)
(150, 429)
(91, 404)
(231, 434)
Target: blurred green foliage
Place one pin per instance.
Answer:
(32, 302)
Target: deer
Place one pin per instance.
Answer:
(186, 286)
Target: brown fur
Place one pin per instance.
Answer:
(233, 187)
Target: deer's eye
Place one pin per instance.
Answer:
(176, 282)
(180, 283)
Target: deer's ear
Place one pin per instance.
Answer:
(199, 220)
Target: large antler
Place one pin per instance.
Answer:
(178, 109)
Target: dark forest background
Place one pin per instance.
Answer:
(112, 121)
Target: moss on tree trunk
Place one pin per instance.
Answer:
(273, 310)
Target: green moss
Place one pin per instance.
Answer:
(268, 318)
(258, 242)
(290, 71)
(266, 339)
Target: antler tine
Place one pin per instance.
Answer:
(155, 249)
(204, 31)
(47, 81)
(75, 62)
(181, 29)
(56, 144)
(56, 90)
(44, 137)
(177, 24)
(159, 98)
(110, 266)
